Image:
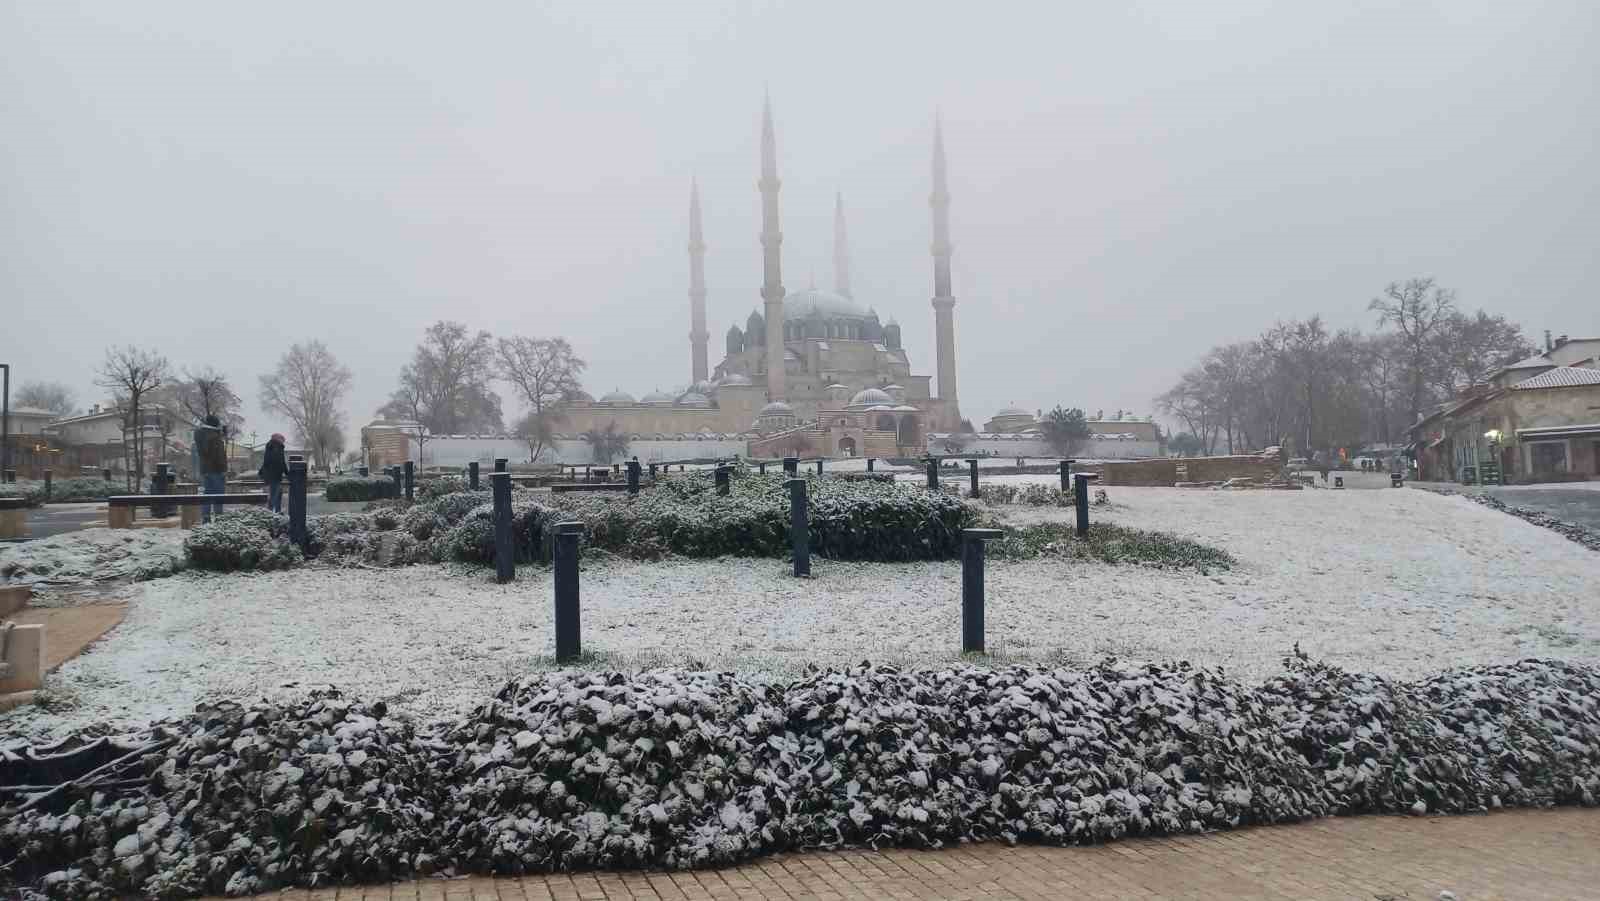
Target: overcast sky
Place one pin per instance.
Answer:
(1131, 183)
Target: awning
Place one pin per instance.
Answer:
(1558, 431)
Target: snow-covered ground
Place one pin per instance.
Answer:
(1398, 582)
(90, 554)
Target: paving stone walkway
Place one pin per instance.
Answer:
(1539, 854)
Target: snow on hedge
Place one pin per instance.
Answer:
(676, 769)
(94, 555)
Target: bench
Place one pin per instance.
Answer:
(590, 486)
(13, 517)
(119, 508)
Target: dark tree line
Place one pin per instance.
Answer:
(1302, 385)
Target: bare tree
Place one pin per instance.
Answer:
(1418, 310)
(446, 386)
(307, 387)
(132, 374)
(545, 372)
(1470, 349)
(207, 392)
(53, 396)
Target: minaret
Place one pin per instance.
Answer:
(697, 289)
(841, 250)
(771, 259)
(943, 302)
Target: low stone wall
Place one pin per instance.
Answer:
(1165, 473)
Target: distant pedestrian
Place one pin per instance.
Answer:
(212, 450)
(274, 466)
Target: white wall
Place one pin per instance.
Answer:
(1095, 449)
(461, 451)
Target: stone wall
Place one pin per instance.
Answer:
(1164, 473)
(997, 445)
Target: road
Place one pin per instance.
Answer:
(1579, 505)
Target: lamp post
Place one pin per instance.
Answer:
(5, 419)
(1493, 435)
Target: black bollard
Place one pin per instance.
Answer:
(297, 502)
(799, 528)
(47, 476)
(633, 476)
(652, 472)
(161, 483)
(680, 467)
(1080, 495)
(791, 466)
(472, 475)
(933, 473)
(972, 588)
(763, 467)
(363, 471)
(972, 466)
(721, 477)
(819, 467)
(394, 473)
(500, 464)
(505, 562)
(1338, 481)
(616, 469)
(105, 475)
(411, 479)
(1066, 476)
(569, 635)
(870, 461)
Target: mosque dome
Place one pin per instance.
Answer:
(777, 408)
(1013, 411)
(656, 397)
(694, 399)
(810, 302)
(734, 378)
(871, 397)
(617, 397)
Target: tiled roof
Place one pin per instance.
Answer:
(1561, 377)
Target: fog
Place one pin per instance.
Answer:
(1130, 183)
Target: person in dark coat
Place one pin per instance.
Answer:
(211, 446)
(274, 466)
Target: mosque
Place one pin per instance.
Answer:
(812, 372)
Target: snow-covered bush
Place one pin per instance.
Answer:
(246, 539)
(32, 493)
(435, 488)
(359, 488)
(93, 555)
(1108, 543)
(578, 770)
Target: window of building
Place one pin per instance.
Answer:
(1548, 458)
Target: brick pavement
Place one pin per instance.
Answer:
(1541, 854)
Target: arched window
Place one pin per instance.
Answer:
(909, 433)
(847, 447)
(885, 423)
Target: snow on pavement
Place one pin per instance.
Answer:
(1399, 582)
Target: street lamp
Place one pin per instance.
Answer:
(1493, 435)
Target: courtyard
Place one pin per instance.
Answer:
(1399, 583)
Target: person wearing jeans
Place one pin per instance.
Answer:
(274, 466)
(213, 453)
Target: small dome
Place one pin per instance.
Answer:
(733, 378)
(617, 397)
(1013, 411)
(694, 399)
(777, 408)
(656, 397)
(871, 397)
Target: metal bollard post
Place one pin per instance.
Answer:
(1066, 476)
(972, 587)
(500, 464)
(394, 473)
(972, 467)
(721, 477)
(1080, 496)
(870, 461)
(48, 474)
(569, 635)
(763, 467)
(933, 473)
(819, 466)
(799, 528)
(105, 475)
(791, 466)
(297, 502)
(161, 483)
(505, 561)
(472, 475)
(652, 472)
(633, 476)
(616, 469)
(411, 479)
(363, 471)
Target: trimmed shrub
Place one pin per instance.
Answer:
(359, 488)
(247, 539)
(439, 486)
(32, 493)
